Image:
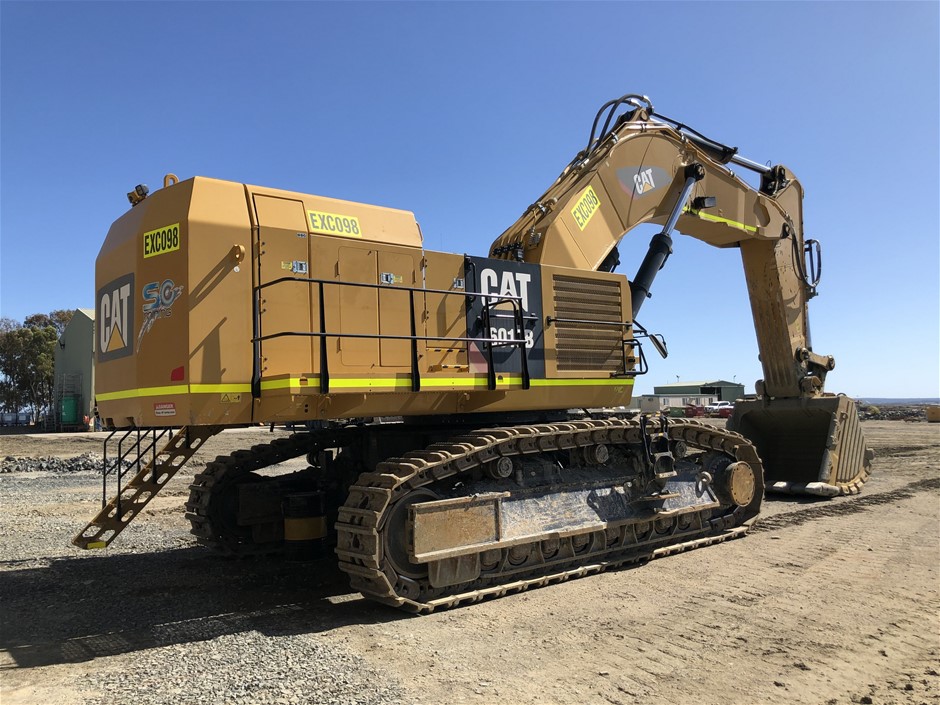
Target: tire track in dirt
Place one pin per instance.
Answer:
(885, 451)
(816, 610)
(788, 609)
(855, 504)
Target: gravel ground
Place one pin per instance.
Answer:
(214, 673)
(831, 602)
(126, 628)
(51, 463)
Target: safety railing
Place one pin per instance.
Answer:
(639, 368)
(152, 469)
(490, 308)
(133, 447)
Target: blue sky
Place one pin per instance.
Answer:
(464, 113)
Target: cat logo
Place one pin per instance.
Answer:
(493, 283)
(643, 182)
(115, 318)
(637, 181)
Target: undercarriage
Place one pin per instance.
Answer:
(476, 513)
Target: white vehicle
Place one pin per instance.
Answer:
(719, 406)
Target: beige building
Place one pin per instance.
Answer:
(75, 373)
(682, 394)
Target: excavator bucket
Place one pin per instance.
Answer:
(808, 446)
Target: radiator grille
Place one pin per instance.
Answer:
(586, 346)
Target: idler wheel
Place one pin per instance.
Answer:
(490, 559)
(580, 542)
(519, 554)
(736, 485)
(500, 469)
(398, 536)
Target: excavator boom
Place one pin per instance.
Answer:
(645, 168)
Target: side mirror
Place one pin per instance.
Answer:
(657, 339)
(659, 342)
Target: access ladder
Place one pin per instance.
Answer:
(151, 476)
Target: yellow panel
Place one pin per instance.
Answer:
(280, 213)
(373, 223)
(161, 300)
(283, 252)
(447, 314)
(358, 306)
(394, 307)
(220, 302)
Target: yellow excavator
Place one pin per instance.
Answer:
(463, 434)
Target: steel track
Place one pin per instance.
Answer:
(363, 517)
(363, 520)
(208, 520)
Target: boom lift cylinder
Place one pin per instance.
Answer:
(661, 244)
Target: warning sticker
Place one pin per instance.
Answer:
(164, 408)
(585, 208)
(162, 240)
(230, 398)
(334, 224)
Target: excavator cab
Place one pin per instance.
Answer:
(809, 446)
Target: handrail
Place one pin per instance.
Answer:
(382, 336)
(641, 367)
(143, 444)
(491, 302)
(365, 285)
(552, 319)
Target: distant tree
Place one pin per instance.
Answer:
(61, 318)
(11, 366)
(27, 361)
(58, 319)
(9, 395)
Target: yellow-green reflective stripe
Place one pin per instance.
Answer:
(365, 382)
(287, 383)
(477, 382)
(219, 388)
(719, 219)
(626, 382)
(465, 381)
(175, 389)
(143, 392)
(361, 383)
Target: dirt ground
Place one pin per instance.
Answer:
(825, 601)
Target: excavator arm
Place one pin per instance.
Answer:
(646, 168)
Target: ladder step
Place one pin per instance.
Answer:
(121, 509)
